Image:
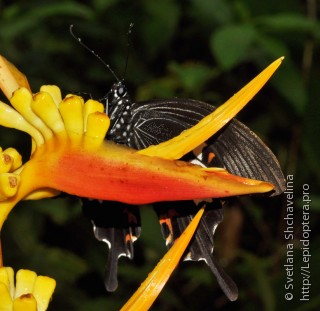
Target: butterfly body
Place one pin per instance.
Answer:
(118, 108)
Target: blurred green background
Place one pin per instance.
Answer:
(202, 49)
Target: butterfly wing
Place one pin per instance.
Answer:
(174, 217)
(119, 226)
(153, 122)
(235, 148)
(243, 153)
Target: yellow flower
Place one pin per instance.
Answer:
(31, 292)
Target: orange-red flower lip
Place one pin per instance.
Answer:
(139, 179)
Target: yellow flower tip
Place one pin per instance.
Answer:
(189, 139)
(7, 279)
(97, 126)
(71, 110)
(11, 78)
(25, 280)
(25, 302)
(91, 106)
(54, 92)
(21, 100)
(45, 108)
(32, 292)
(15, 157)
(43, 291)
(6, 163)
(8, 185)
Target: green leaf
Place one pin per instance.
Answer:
(159, 28)
(287, 22)
(272, 47)
(231, 44)
(311, 132)
(209, 10)
(289, 84)
(260, 279)
(192, 76)
(157, 88)
(287, 80)
(23, 21)
(63, 264)
(60, 210)
(102, 5)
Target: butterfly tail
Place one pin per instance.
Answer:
(119, 226)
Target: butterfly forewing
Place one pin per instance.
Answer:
(159, 120)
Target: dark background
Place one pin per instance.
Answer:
(202, 49)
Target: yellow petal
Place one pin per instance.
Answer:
(91, 106)
(11, 280)
(149, 290)
(97, 126)
(6, 162)
(21, 101)
(43, 290)
(5, 301)
(16, 157)
(189, 139)
(25, 303)
(6, 278)
(45, 108)
(8, 185)
(11, 78)
(71, 110)
(42, 194)
(11, 118)
(25, 282)
(54, 92)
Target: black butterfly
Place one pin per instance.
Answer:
(138, 125)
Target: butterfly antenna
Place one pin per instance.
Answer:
(128, 47)
(92, 52)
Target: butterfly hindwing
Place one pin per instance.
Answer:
(243, 153)
(119, 226)
(174, 217)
